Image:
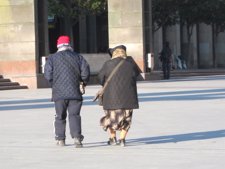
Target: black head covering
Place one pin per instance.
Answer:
(111, 50)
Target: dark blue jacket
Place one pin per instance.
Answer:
(65, 70)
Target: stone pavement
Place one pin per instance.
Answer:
(180, 125)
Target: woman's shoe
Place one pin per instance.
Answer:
(112, 141)
(60, 143)
(78, 142)
(122, 142)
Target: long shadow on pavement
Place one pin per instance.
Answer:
(208, 94)
(179, 137)
(165, 139)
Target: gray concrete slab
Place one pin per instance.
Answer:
(180, 125)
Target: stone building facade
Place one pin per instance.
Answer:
(18, 41)
(24, 39)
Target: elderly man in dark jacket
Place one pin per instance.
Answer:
(66, 70)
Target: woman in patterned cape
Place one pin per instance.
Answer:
(120, 95)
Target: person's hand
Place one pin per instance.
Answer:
(82, 88)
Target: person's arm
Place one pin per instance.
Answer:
(85, 70)
(101, 74)
(48, 70)
(161, 53)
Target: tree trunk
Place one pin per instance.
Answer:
(214, 37)
(189, 48)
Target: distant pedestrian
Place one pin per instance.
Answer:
(120, 95)
(166, 59)
(65, 70)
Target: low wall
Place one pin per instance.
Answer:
(95, 61)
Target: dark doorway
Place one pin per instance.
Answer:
(90, 33)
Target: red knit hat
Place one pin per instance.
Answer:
(63, 40)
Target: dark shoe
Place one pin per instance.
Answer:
(60, 143)
(78, 143)
(122, 142)
(112, 141)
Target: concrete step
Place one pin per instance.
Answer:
(7, 84)
(4, 80)
(158, 74)
(199, 72)
(12, 87)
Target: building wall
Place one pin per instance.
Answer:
(23, 38)
(220, 50)
(17, 41)
(205, 46)
(126, 27)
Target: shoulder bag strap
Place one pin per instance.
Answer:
(111, 75)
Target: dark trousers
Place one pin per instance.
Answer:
(166, 70)
(73, 107)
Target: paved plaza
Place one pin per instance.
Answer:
(180, 125)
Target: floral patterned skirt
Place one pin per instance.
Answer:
(117, 119)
